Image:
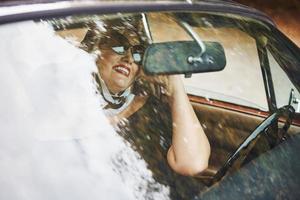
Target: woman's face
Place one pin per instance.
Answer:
(116, 64)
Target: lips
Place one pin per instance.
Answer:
(122, 69)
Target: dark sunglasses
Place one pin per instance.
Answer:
(119, 44)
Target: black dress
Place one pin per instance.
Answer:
(149, 131)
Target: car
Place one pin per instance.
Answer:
(241, 74)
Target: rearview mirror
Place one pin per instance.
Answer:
(183, 57)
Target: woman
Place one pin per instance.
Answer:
(119, 68)
(163, 128)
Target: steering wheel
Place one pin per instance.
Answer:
(248, 144)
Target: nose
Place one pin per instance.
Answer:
(128, 57)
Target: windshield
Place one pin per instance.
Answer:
(58, 104)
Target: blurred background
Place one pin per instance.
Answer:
(285, 13)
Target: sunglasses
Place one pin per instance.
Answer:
(120, 45)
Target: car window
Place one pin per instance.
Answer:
(52, 128)
(63, 110)
(283, 87)
(241, 81)
(236, 83)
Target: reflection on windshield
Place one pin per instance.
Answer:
(55, 141)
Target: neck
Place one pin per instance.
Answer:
(115, 90)
(112, 96)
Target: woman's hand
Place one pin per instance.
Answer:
(190, 149)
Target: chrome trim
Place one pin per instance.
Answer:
(21, 9)
(29, 8)
(29, 11)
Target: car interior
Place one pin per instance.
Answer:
(226, 124)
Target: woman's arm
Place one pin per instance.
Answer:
(190, 149)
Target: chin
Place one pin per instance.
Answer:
(122, 84)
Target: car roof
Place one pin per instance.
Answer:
(18, 10)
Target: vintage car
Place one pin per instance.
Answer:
(241, 74)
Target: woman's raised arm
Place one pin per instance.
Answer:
(190, 149)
